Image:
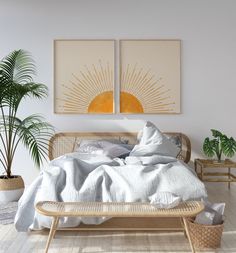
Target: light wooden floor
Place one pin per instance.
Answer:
(119, 242)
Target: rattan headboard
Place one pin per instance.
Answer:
(62, 143)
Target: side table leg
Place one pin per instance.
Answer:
(188, 235)
(195, 166)
(196, 169)
(229, 177)
(52, 232)
(201, 173)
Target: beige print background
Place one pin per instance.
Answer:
(75, 79)
(160, 61)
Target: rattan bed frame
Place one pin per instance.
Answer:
(62, 143)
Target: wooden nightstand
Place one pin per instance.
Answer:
(221, 176)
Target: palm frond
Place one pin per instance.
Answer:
(37, 90)
(14, 93)
(18, 67)
(34, 134)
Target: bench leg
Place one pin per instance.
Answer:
(55, 228)
(52, 232)
(182, 224)
(188, 235)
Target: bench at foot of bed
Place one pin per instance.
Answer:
(115, 209)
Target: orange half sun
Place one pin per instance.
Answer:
(129, 103)
(103, 103)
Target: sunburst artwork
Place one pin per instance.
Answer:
(84, 77)
(141, 92)
(150, 76)
(90, 91)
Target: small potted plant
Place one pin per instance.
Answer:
(16, 84)
(220, 144)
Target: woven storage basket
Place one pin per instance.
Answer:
(205, 236)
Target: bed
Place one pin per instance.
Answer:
(63, 143)
(113, 167)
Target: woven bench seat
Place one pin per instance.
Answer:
(115, 209)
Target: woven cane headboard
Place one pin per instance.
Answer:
(62, 143)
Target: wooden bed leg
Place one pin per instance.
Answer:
(188, 235)
(52, 232)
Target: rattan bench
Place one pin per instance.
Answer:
(114, 209)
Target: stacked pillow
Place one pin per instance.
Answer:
(152, 141)
(112, 148)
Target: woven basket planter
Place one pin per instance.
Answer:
(205, 236)
(11, 189)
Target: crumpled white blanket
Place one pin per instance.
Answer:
(82, 177)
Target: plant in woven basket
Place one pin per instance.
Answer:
(220, 144)
(16, 84)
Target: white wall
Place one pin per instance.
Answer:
(208, 34)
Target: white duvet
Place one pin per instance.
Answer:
(90, 177)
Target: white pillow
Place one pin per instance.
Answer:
(165, 200)
(116, 150)
(91, 141)
(154, 142)
(150, 134)
(93, 148)
(104, 148)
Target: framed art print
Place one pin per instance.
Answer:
(84, 76)
(150, 76)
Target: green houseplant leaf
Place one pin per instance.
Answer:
(209, 147)
(228, 146)
(216, 133)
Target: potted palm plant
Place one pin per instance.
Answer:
(220, 144)
(16, 83)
